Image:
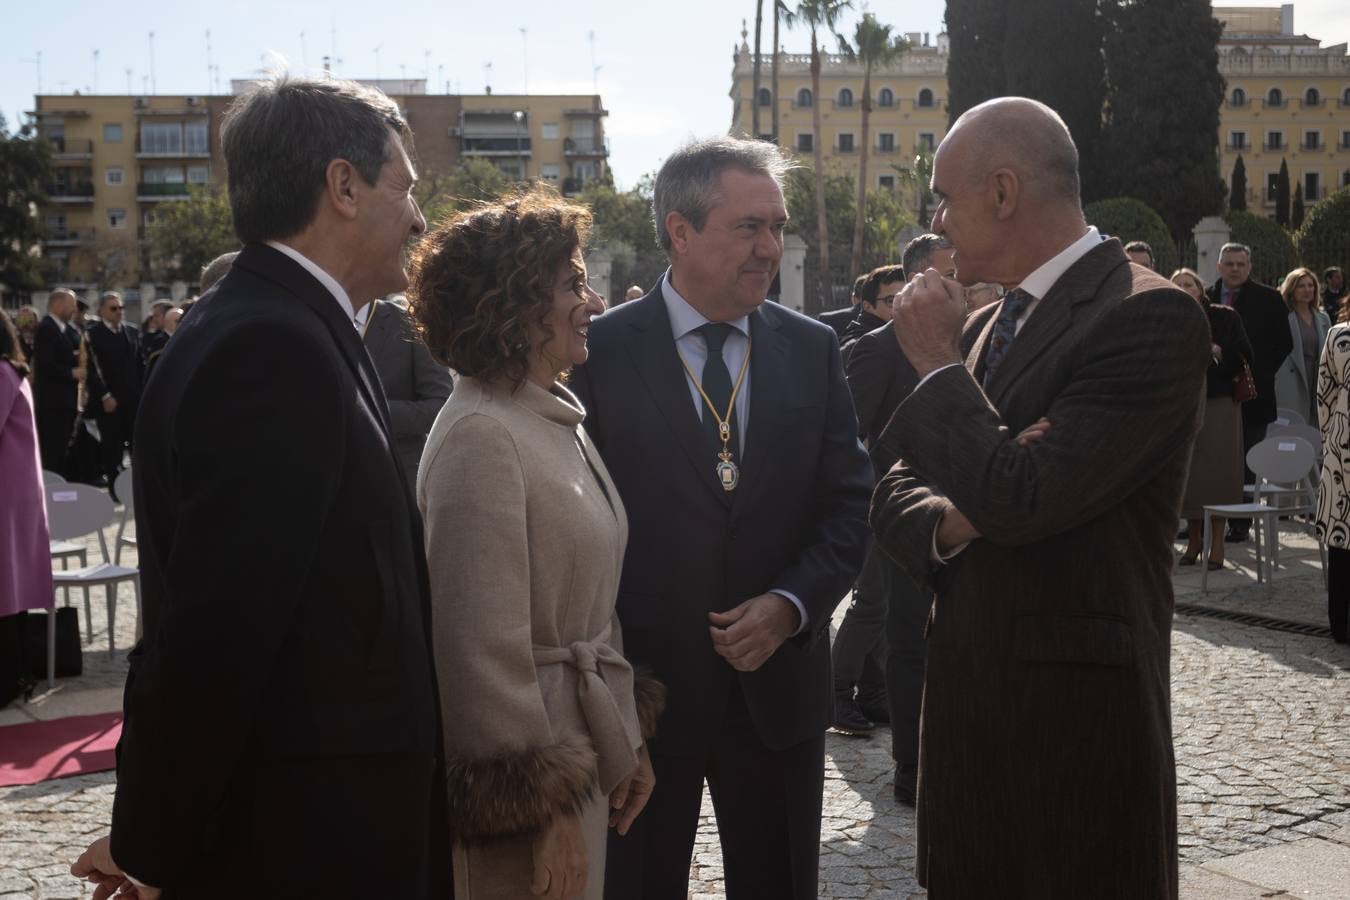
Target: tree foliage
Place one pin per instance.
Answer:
(975, 29)
(1296, 209)
(1134, 220)
(443, 193)
(187, 235)
(25, 171)
(624, 229)
(886, 217)
(1160, 141)
(1237, 195)
(1273, 253)
(1324, 239)
(1282, 195)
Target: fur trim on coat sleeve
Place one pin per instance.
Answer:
(650, 697)
(519, 793)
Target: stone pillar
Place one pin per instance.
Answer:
(1211, 233)
(178, 292)
(792, 273)
(599, 265)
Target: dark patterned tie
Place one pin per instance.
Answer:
(717, 384)
(1005, 330)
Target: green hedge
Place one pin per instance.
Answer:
(1134, 220)
(1324, 239)
(1273, 254)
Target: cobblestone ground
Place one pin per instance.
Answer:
(1261, 721)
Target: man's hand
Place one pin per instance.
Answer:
(927, 317)
(78, 373)
(632, 794)
(560, 859)
(953, 531)
(1036, 431)
(747, 635)
(96, 866)
(109, 404)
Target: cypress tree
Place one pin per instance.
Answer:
(1296, 210)
(1282, 195)
(975, 29)
(1160, 143)
(1237, 197)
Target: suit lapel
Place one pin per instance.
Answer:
(655, 359)
(975, 357)
(769, 365)
(377, 330)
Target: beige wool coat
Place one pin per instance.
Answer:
(525, 538)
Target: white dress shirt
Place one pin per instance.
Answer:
(324, 278)
(693, 348)
(60, 323)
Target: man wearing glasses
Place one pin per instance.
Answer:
(115, 369)
(874, 307)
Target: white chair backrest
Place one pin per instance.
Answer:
(49, 477)
(1286, 416)
(122, 488)
(1283, 459)
(74, 510)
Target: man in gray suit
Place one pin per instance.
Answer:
(414, 384)
(1046, 767)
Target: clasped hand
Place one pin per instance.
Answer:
(96, 865)
(748, 634)
(927, 317)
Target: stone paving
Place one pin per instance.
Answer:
(1261, 721)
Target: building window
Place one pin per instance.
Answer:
(162, 175)
(1272, 186)
(805, 143)
(1274, 97)
(886, 97)
(766, 138)
(886, 182)
(117, 218)
(112, 175)
(1345, 97)
(804, 97)
(1312, 140)
(548, 131)
(1312, 187)
(195, 137)
(1239, 97)
(845, 97)
(550, 172)
(927, 142)
(112, 132)
(845, 143)
(765, 97)
(198, 175)
(1237, 140)
(1274, 140)
(161, 137)
(1312, 97)
(1345, 140)
(886, 142)
(925, 98)
(1345, 178)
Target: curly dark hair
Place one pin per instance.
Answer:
(481, 278)
(11, 349)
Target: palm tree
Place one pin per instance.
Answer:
(874, 47)
(919, 176)
(754, 91)
(780, 12)
(819, 15)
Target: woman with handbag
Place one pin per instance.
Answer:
(1216, 461)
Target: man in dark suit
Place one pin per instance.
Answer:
(280, 711)
(874, 308)
(1046, 765)
(742, 539)
(1265, 318)
(115, 370)
(415, 386)
(840, 319)
(57, 374)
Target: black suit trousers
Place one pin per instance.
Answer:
(54, 428)
(768, 815)
(859, 651)
(906, 654)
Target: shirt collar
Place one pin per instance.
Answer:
(324, 278)
(59, 323)
(1039, 282)
(684, 318)
(110, 326)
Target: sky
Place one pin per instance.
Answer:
(662, 70)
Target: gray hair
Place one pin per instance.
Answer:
(215, 270)
(279, 139)
(919, 252)
(1235, 247)
(687, 182)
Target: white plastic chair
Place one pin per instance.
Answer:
(65, 551)
(50, 477)
(122, 488)
(1286, 416)
(76, 510)
(1283, 461)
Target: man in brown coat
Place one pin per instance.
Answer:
(1046, 765)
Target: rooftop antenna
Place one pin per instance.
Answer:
(487, 76)
(145, 84)
(525, 56)
(440, 76)
(403, 76)
(304, 54)
(209, 67)
(128, 82)
(95, 88)
(595, 70)
(377, 61)
(37, 61)
(426, 57)
(153, 88)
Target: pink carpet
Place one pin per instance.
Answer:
(76, 745)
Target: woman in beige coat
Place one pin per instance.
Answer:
(545, 723)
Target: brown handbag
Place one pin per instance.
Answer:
(1244, 385)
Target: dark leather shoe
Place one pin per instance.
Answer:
(849, 720)
(904, 793)
(878, 712)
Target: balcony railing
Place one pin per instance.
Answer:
(1312, 145)
(71, 148)
(1238, 145)
(68, 237)
(1316, 104)
(176, 190)
(840, 148)
(495, 146)
(1273, 145)
(1274, 104)
(880, 149)
(1236, 103)
(584, 146)
(71, 193)
(161, 151)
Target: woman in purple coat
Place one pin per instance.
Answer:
(25, 552)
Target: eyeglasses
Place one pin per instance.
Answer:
(116, 308)
(889, 298)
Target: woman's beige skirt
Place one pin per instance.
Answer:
(1216, 463)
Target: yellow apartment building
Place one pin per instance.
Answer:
(119, 158)
(1287, 98)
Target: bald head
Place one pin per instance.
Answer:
(61, 304)
(1022, 135)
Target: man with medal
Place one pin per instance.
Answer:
(729, 430)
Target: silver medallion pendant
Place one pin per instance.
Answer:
(727, 472)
